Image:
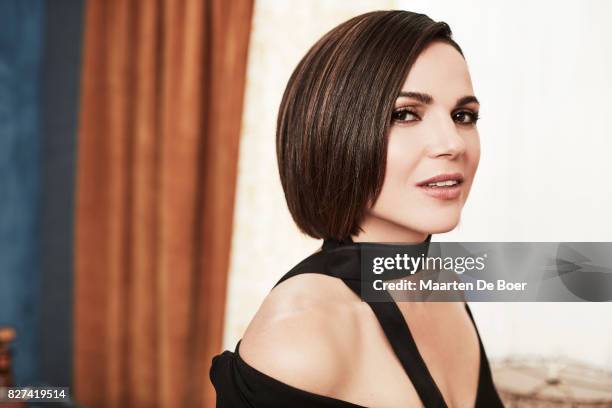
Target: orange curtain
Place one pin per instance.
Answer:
(161, 101)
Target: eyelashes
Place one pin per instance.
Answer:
(399, 115)
(465, 117)
(472, 117)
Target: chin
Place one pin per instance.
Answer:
(442, 228)
(431, 224)
(416, 220)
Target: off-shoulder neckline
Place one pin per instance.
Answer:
(291, 388)
(348, 404)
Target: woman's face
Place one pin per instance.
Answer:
(433, 133)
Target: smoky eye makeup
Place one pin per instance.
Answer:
(408, 114)
(466, 116)
(405, 114)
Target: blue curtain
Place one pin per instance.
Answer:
(21, 28)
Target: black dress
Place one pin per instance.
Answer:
(239, 385)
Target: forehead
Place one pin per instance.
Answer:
(441, 71)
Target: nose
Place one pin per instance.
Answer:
(445, 139)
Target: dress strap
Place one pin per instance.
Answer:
(486, 395)
(399, 336)
(341, 259)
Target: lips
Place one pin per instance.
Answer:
(442, 177)
(447, 186)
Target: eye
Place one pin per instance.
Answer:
(404, 115)
(466, 117)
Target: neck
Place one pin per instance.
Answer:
(376, 229)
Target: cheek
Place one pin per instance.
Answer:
(472, 159)
(473, 153)
(403, 155)
(402, 158)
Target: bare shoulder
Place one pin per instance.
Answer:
(305, 333)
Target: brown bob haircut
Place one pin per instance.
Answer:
(335, 114)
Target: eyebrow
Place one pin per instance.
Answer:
(428, 99)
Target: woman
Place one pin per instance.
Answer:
(376, 142)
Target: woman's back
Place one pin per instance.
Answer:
(314, 336)
(327, 346)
